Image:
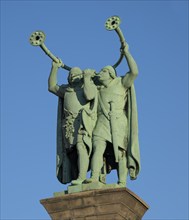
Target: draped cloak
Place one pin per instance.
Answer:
(133, 152)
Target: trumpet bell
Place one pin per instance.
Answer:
(112, 23)
(37, 38)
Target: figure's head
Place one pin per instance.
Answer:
(75, 75)
(107, 73)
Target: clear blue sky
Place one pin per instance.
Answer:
(157, 33)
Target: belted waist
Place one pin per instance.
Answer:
(116, 112)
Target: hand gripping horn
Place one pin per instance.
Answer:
(112, 23)
(37, 38)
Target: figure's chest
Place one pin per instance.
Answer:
(74, 100)
(116, 94)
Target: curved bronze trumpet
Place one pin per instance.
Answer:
(112, 23)
(37, 38)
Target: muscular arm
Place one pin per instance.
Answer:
(90, 89)
(52, 81)
(130, 76)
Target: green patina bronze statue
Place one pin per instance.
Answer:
(115, 136)
(97, 126)
(76, 120)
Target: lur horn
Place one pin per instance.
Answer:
(37, 38)
(112, 23)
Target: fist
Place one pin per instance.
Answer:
(57, 64)
(125, 48)
(89, 73)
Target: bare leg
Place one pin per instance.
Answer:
(99, 147)
(122, 168)
(83, 163)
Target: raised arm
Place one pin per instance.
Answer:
(130, 76)
(90, 89)
(52, 81)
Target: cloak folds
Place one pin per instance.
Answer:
(65, 163)
(133, 152)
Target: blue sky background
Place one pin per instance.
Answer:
(157, 33)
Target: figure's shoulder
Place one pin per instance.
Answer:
(61, 90)
(118, 83)
(66, 88)
(117, 80)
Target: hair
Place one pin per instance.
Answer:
(112, 71)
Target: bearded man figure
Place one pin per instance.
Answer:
(76, 120)
(115, 136)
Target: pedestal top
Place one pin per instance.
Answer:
(115, 203)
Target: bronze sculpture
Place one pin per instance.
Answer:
(97, 114)
(115, 136)
(76, 120)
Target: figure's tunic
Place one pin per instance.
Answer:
(74, 104)
(119, 125)
(114, 95)
(75, 123)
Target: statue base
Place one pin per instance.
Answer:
(86, 187)
(112, 203)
